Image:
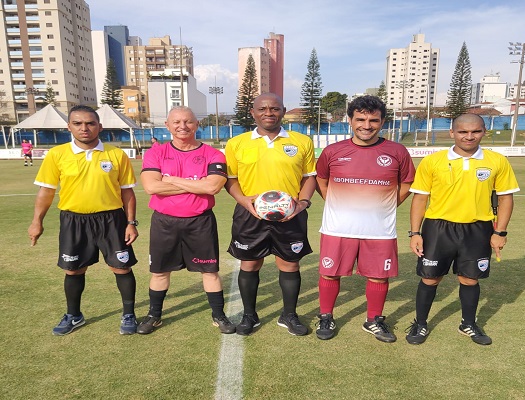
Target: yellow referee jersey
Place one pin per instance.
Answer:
(261, 164)
(90, 180)
(460, 187)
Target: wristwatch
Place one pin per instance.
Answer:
(412, 233)
(502, 233)
(308, 202)
(134, 222)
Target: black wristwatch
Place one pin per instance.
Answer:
(412, 233)
(308, 202)
(134, 222)
(502, 233)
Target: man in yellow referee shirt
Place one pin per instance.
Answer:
(97, 213)
(270, 158)
(457, 228)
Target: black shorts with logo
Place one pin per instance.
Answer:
(466, 246)
(82, 236)
(254, 239)
(184, 242)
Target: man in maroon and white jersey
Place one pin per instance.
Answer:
(363, 180)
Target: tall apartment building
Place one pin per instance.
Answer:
(411, 74)
(269, 64)
(275, 46)
(489, 90)
(513, 90)
(262, 66)
(41, 42)
(118, 39)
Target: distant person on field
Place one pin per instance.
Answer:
(27, 151)
(270, 158)
(182, 177)
(97, 204)
(363, 180)
(154, 142)
(456, 228)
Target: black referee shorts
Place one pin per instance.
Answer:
(466, 246)
(184, 242)
(83, 235)
(254, 239)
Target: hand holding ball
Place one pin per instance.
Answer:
(274, 205)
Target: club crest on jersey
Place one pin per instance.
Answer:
(483, 264)
(290, 150)
(384, 161)
(106, 166)
(482, 174)
(327, 262)
(198, 160)
(123, 256)
(297, 247)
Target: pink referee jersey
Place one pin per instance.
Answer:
(361, 200)
(194, 164)
(26, 148)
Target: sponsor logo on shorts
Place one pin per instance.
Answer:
(106, 166)
(200, 261)
(240, 245)
(482, 174)
(290, 150)
(327, 262)
(123, 256)
(483, 264)
(297, 247)
(68, 258)
(384, 161)
(429, 263)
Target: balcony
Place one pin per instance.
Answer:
(35, 53)
(17, 64)
(38, 75)
(35, 41)
(31, 7)
(33, 30)
(15, 53)
(18, 88)
(36, 64)
(14, 42)
(18, 75)
(13, 30)
(9, 6)
(32, 18)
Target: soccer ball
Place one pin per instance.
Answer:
(274, 205)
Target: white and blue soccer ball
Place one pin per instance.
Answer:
(274, 205)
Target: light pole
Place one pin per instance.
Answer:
(216, 90)
(319, 119)
(517, 49)
(403, 85)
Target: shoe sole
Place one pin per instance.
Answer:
(282, 324)
(72, 329)
(381, 339)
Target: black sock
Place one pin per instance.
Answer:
(73, 287)
(248, 285)
(469, 297)
(290, 283)
(216, 301)
(424, 298)
(156, 301)
(127, 286)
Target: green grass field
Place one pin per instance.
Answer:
(182, 359)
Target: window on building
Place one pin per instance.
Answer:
(132, 110)
(50, 36)
(131, 98)
(49, 24)
(52, 59)
(51, 47)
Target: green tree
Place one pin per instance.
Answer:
(458, 99)
(210, 120)
(311, 90)
(335, 104)
(247, 94)
(50, 96)
(111, 93)
(383, 95)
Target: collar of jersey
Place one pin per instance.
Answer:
(452, 155)
(77, 150)
(282, 133)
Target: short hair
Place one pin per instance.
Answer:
(366, 103)
(83, 108)
(468, 116)
(182, 108)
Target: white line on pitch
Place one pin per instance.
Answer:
(229, 375)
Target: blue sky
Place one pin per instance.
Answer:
(351, 37)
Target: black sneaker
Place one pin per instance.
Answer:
(475, 333)
(224, 324)
(380, 329)
(326, 327)
(416, 333)
(68, 323)
(128, 324)
(291, 321)
(248, 323)
(149, 324)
